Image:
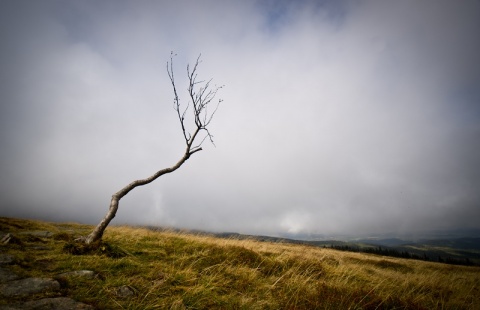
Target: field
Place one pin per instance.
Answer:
(175, 270)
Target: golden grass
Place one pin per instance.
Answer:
(171, 270)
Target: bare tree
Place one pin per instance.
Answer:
(200, 109)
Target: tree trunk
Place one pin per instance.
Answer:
(97, 233)
(201, 99)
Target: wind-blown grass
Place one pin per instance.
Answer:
(172, 270)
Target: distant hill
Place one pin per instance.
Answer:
(459, 251)
(456, 243)
(384, 242)
(453, 250)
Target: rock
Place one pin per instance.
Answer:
(39, 248)
(11, 239)
(38, 233)
(6, 238)
(124, 291)
(77, 273)
(28, 286)
(59, 303)
(7, 275)
(6, 259)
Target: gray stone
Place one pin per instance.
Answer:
(38, 233)
(124, 291)
(6, 259)
(7, 275)
(39, 248)
(28, 286)
(59, 303)
(10, 239)
(5, 238)
(77, 273)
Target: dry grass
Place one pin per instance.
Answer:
(171, 270)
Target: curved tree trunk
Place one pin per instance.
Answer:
(97, 233)
(200, 100)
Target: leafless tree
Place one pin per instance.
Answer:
(200, 109)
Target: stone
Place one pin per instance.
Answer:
(40, 248)
(6, 238)
(89, 274)
(124, 291)
(7, 275)
(59, 303)
(10, 239)
(38, 233)
(28, 286)
(6, 259)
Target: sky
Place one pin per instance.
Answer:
(338, 117)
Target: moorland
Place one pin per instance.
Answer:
(167, 269)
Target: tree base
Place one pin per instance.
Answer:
(79, 247)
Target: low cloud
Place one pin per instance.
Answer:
(337, 118)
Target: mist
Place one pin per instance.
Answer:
(338, 117)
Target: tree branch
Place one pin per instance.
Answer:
(200, 101)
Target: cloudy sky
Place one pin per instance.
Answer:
(339, 117)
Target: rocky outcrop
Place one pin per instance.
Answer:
(6, 259)
(7, 275)
(88, 274)
(14, 287)
(28, 286)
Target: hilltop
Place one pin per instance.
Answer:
(138, 268)
(450, 249)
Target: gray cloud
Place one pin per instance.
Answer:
(339, 117)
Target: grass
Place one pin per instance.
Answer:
(172, 270)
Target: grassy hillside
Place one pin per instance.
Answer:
(172, 270)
